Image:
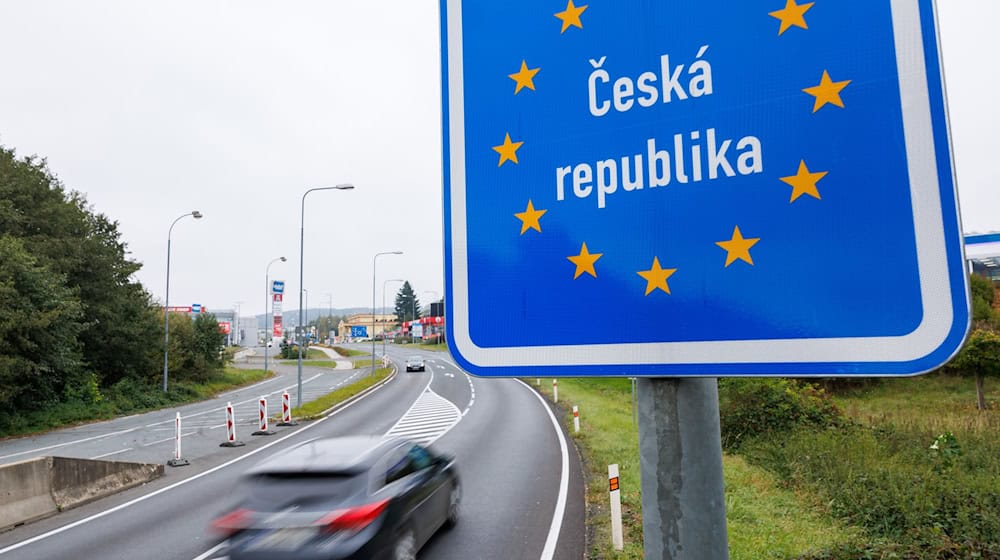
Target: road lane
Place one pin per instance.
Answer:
(507, 452)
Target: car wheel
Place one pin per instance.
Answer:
(406, 546)
(454, 501)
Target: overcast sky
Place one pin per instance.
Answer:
(236, 108)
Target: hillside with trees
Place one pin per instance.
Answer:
(74, 322)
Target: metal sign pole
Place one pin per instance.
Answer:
(680, 460)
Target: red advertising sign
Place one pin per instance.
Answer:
(225, 326)
(277, 327)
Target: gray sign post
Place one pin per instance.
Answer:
(680, 460)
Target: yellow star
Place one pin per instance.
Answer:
(585, 262)
(804, 182)
(529, 218)
(571, 16)
(828, 91)
(738, 247)
(507, 150)
(524, 77)
(792, 14)
(656, 277)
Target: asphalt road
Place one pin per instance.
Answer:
(523, 491)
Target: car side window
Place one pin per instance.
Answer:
(420, 458)
(397, 465)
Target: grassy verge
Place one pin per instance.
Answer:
(935, 402)
(126, 397)
(435, 347)
(917, 470)
(764, 519)
(347, 352)
(312, 409)
(358, 364)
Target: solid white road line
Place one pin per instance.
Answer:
(112, 453)
(213, 550)
(46, 448)
(131, 503)
(557, 517)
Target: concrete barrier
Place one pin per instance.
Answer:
(37, 488)
(25, 492)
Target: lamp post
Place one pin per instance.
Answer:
(304, 329)
(302, 241)
(383, 307)
(329, 320)
(267, 298)
(166, 300)
(374, 261)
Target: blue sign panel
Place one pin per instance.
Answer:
(196, 308)
(689, 188)
(278, 287)
(359, 332)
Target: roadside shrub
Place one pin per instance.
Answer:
(929, 496)
(750, 407)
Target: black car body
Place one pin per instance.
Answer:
(343, 498)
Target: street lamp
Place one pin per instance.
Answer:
(383, 307)
(267, 298)
(302, 241)
(375, 260)
(166, 300)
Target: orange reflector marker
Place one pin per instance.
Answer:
(614, 484)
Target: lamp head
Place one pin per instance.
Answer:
(283, 259)
(197, 215)
(344, 187)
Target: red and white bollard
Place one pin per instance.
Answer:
(262, 419)
(555, 390)
(231, 429)
(286, 411)
(576, 419)
(177, 461)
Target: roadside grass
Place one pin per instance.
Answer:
(347, 352)
(764, 519)
(311, 363)
(936, 402)
(358, 364)
(312, 409)
(435, 347)
(126, 397)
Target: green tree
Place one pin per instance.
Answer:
(84, 248)
(407, 305)
(40, 318)
(980, 357)
(982, 300)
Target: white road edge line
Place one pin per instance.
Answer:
(557, 517)
(213, 550)
(120, 507)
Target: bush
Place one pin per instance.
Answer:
(921, 495)
(750, 407)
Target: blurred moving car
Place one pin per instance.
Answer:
(344, 498)
(414, 363)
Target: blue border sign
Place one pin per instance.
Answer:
(278, 287)
(686, 188)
